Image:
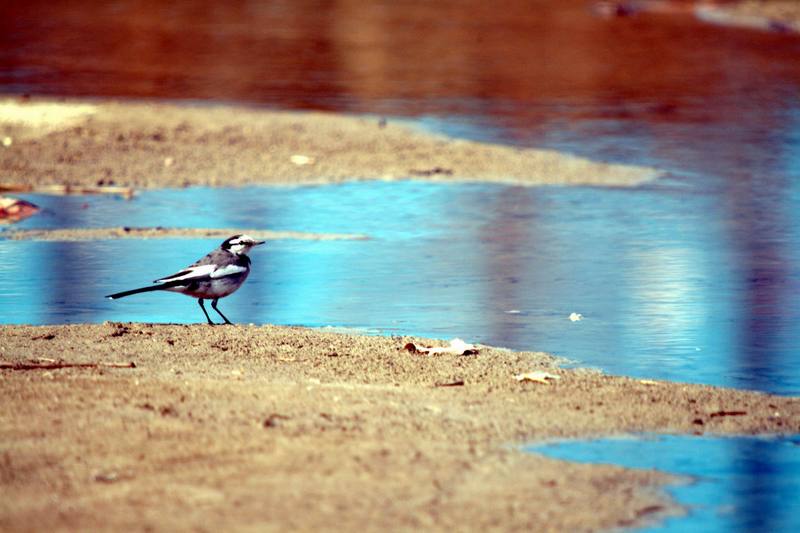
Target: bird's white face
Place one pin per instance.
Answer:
(240, 244)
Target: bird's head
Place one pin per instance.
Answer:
(240, 244)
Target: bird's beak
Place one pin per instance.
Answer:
(259, 242)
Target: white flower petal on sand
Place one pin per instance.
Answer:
(301, 160)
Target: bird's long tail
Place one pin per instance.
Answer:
(159, 287)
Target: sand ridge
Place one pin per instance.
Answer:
(126, 232)
(147, 145)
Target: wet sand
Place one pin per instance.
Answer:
(276, 428)
(270, 428)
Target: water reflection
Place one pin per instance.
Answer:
(510, 227)
(402, 58)
(739, 483)
(654, 271)
(644, 89)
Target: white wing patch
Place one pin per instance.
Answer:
(229, 270)
(190, 273)
(204, 271)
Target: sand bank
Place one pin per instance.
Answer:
(148, 145)
(275, 428)
(770, 15)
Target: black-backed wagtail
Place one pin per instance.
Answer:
(215, 276)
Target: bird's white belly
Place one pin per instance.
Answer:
(211, 289)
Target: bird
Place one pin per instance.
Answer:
(217, 275)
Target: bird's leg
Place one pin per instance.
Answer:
(214, 305)
(203, 307)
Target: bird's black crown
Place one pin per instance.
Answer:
(229, 242)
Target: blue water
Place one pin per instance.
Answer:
(736, 483)
(669, 282)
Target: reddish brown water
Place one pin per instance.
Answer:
(462, 57)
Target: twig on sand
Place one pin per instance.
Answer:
(458, 383)
(50, 364)
(58, 189)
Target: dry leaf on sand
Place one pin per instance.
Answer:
(457, 347)
(13, 209)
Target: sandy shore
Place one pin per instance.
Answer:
(770, 15)
(148, 145)
(270, 428)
